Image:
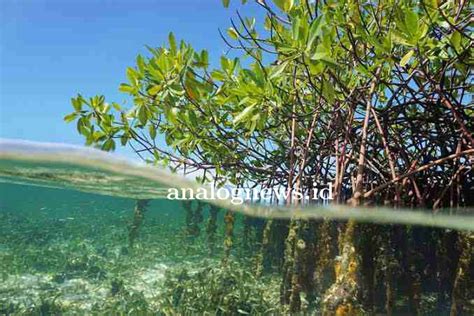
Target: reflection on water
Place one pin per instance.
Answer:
(88, 170)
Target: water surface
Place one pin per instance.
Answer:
(73, 241)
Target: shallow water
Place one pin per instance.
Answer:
(89, 170)
(72, 245)
(73, 241)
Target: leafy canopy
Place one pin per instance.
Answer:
(299, 84)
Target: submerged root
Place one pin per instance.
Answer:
(296, 286)
(246, 232)
(229, 219)
(264, 248)
(343, 297)
(463, 290)
(389, 266)
(325, 249)
(285, 289)
(193, 218)
(138, 216)
(211, 228)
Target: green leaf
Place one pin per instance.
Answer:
(70, 117)
(329, 61)
(322, 55)
(321, 52)
(178, 142)
(433, 4)
(244, 114)
(109, 145)
(141, 63)
(217, 75)
(132, 76)
(116, 106)
(405, 59)
(252, 75)
(152, 131)
(124, 139)
(76, 103)
(400, 38)
(172, 115)
(318, 56)
(277, 70)
(193, 118)
(284, 5)
(154, 90)
(314, 31)
(423, 31)
(296, 28)
(225, 64)
(411, 21)
(226, 3)
(81, 126)
(456, 41)
(256, 119)
(328, 91)
(142, 115)
(126, 88)
(205, 58)
(233, 33)
(172, 41)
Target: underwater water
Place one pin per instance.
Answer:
(83, 232)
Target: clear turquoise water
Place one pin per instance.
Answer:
(71, 246)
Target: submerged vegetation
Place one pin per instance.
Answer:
(74, 257)
(228, 290)
(374, 97)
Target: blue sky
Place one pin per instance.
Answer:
(53, 49)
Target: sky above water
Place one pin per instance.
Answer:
(50, 50)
